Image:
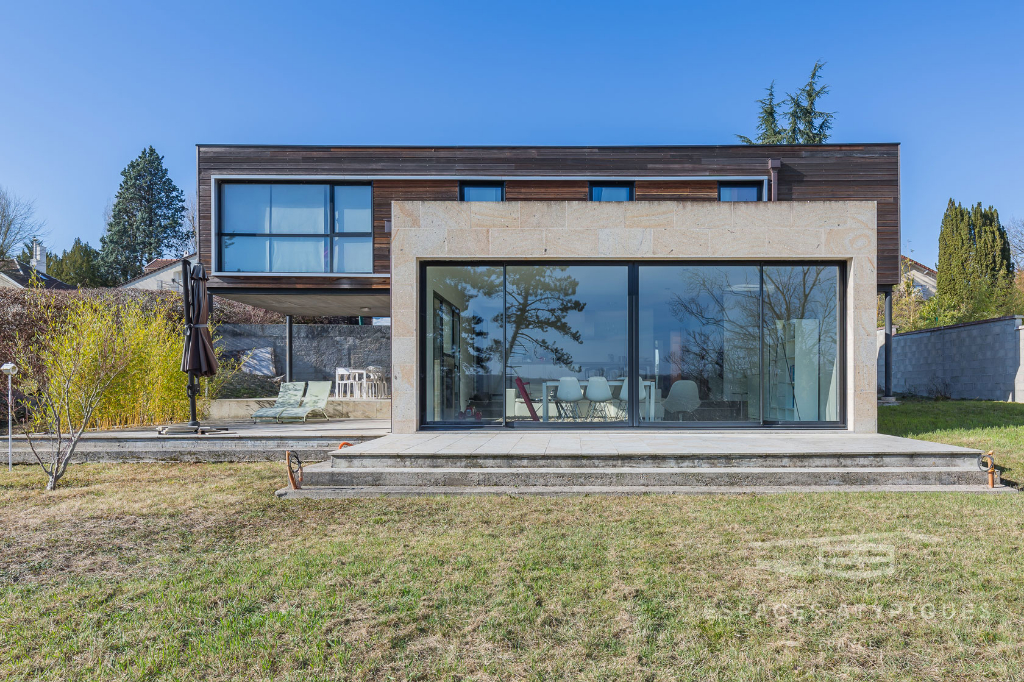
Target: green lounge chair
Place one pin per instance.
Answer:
(290, 395)
(315, 401)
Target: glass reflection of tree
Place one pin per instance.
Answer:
(806, 292)
(472, 282)
(702, 299)
(537, 301)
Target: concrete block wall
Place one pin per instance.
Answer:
(975, 360)
(317, 349)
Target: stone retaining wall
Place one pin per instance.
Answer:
(241, 408)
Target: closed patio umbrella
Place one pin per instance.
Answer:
(198, 358)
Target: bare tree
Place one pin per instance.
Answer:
(69, 369)
(17, 223)
(192, 223)
(1015, 235)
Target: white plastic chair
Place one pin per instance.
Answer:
(599, 393)
(569, 395)
(682, 397)
(623, 399)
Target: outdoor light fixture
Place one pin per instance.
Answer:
(10, 369)
(364, 309)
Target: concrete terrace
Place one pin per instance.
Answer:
(675, 442)
(243, 441)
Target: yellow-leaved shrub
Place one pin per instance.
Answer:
(147, 385)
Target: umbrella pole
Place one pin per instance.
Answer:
(193, 390)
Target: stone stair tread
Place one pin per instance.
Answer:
(628, 469)
(331, 492)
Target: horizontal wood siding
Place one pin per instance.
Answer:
(547, 190)
(653, 190)
(808, 173)
(386, 191)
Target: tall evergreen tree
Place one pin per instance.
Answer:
(768, 131)
(805, 123)
(146, 219)
(992, 258)
(78, 267)
(956, 257)
(810, 125)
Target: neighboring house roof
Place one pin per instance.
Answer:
(161, 263)
(924, 278)
(921, 266)
(16, 274)
(154, 270)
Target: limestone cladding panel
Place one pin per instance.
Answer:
(450, 230)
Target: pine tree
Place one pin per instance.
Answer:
(768, 131)
(810, 126)
(956, 257)
(146, 219)
(78, 267)
(992, 259)
(805, 123)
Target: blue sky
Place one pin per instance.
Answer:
(87, 86)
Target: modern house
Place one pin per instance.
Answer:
(724, 287)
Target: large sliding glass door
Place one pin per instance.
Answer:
(463, 351)
(699, 343)
(615, 344)
(801, 343)
(567, 339)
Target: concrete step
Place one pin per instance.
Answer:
(180, 448)
(331, 492)
(324, 475)
(346, 459)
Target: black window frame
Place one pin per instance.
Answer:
(496, 184)
(330, 235)
(633, 357)
(759, 186)
(595, 184)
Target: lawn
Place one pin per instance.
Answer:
(196, 572)
(982, 424)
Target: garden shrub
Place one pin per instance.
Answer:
(148, 389)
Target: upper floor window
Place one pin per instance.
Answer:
(295, 228)
(611, 191)
(480, 191)
(739, 191)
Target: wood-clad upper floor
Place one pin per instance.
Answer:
(679, 173)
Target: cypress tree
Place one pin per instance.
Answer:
(146, 220)
(992, 259)
(956, 257)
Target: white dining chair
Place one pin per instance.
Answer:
(568, 397)
(599, 393)
(682, 398)
(623, 400)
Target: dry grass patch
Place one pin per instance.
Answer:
(190, 572)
